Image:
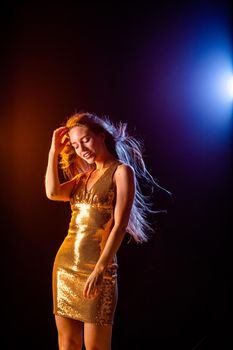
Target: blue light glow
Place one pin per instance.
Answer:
(190, 80)
(229, 87)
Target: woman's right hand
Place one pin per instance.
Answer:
(58, 140)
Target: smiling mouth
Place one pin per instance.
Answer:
(87, 155)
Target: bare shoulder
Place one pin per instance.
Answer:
(124, 172)
(125, 169)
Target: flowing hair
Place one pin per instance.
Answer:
(127, 149)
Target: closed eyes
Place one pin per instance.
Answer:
(84, 140)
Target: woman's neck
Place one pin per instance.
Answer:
(104, 163)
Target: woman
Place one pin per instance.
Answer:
(103, 165)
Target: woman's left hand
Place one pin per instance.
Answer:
(93, 285)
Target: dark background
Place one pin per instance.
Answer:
(115, 59)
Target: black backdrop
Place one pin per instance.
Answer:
(58, 58)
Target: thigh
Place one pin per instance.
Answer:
(68, 327)
(97, 337)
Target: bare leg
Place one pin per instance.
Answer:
(70, 333)
(97, 337)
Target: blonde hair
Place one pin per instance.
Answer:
(126, 149)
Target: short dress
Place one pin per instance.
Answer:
(91, 222)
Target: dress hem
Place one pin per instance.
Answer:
(81, 319)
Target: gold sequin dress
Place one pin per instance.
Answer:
(90, 224)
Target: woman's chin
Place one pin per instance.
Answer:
(90, 160)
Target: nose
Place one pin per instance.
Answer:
(81, 148)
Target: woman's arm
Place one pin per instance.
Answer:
(125, 192)
(53, 188)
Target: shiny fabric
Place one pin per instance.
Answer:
(90, 224)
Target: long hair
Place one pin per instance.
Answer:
(127, 149)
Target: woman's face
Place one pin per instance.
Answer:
(87, 144)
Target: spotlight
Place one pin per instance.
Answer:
(230, 87)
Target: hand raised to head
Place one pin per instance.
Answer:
(59, 139)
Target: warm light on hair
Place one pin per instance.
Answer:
(126, 149)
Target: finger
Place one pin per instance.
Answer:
(94, 290)
(61, 136)
(92, 295)
(90, 290)
(65, 130)
(60, 132)
(64, 139)
(62, 128)
(87, 290)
